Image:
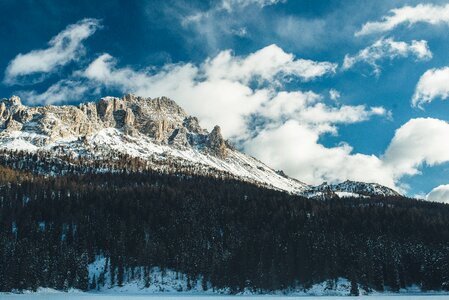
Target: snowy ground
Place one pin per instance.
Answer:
(88, 296)
(167, 284)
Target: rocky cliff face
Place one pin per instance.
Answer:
(156, 131)
(160, 119)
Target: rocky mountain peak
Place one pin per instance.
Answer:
(217, 144)
(15, 100)
(160, 119)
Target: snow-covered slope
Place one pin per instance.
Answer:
(157, 132)
(349, 189)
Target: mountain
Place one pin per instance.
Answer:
(150, 134)
(131, 194)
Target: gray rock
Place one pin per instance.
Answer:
(161, 119)
(216, 143)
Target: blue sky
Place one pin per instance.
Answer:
(326, 90)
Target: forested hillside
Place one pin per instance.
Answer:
(235, 234)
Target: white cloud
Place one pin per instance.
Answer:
(390, 49)
(410, 15)
(295, 148)
(63, 48)
(439, 194)
(334, 94)
(307, 108)
(432, 84)
(221, 89)
(419, 141)
(61, 92)
(264, 64)
(230, 5)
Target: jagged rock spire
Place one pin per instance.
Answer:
(216, 143)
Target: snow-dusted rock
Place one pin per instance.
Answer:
(350, 189)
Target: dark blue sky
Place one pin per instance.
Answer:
(147, 39)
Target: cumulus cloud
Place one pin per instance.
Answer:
(431, 85)
(390, 49)
(409, 15)
(233, 91)
(65, 47)
(295, 148)
(419, 141)
(439, 194)
(225, 89)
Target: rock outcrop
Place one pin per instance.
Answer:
(216, 143)
(160, 119)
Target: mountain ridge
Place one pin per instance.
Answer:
(155, 130)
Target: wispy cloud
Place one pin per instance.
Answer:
(387, 49)
(230, 5)
(222, 22)
(63, 48)
(63, 91)
(408, 15)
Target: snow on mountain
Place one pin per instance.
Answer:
(349, 189)
(156, 131)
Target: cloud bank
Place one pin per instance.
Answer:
(295, 147)
(225, 89)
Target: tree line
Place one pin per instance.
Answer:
(231, 233)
